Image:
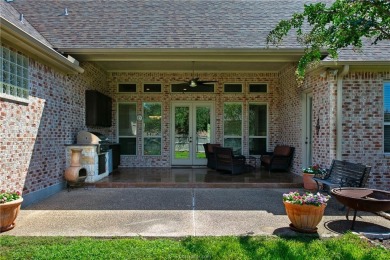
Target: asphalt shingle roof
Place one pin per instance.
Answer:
(168, 24)
(157, 23)
(13, 16)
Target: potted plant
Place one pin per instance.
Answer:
(305, 211)
(10, 202)
(309, 173)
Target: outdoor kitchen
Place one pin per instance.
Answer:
(98, 155)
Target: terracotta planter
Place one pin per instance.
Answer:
(308, 182)
(304, 218)
(8, 213)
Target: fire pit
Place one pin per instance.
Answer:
(362, 199)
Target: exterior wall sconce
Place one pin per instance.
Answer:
(318, 125)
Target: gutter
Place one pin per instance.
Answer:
(339, 112)
(17, 37)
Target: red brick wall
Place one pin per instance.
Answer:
(218, 97)
(363, 124)
(33, 135)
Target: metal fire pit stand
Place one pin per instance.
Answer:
(76, 184)
(362, 199)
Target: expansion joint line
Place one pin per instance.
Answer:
(193, 211)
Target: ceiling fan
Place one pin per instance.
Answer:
(195, 82)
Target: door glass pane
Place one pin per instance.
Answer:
(182, 132)
(202, 130)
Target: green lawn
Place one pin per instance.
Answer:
(348, 246)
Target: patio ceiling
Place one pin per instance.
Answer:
(180, 60)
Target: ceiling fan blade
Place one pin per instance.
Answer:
(206, 81)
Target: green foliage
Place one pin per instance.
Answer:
(343, 23)
(348, 246)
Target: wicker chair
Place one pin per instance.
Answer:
(279, 159)
(209, 151)
(227, 161)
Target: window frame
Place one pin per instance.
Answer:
(242, 126)
(233, 83)
(127, 136)
(257, 83)
(151, 136)
(152, 92)
(17, 67)
(130, 83)
(266, 137)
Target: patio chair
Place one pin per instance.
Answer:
(279, 159)
(209, 151)
(227, 161)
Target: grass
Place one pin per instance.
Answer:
(348, 246)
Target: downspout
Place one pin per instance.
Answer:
(339, 112)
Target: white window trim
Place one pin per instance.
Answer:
(267, 130)
(151, 136)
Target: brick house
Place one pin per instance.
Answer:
(138, 52)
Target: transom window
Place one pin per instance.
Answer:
(14, 76)
(232, 88)
(258, 87)
(386, 121)
(185, 88)
(127, 87)
(152, 88)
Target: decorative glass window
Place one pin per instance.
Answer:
(152, 128)
(127, 87)
(232, 126)
(152, 88)
(258, 87)
(386, 121)
(14, 76)
(232, 88)
(127, 128)
(185, 88)
(257, 129)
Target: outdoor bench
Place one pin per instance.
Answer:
(343, 174)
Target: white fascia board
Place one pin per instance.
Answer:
(14, 35)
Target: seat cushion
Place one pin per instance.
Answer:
(210, 147)
(266, 159)
(282, 150)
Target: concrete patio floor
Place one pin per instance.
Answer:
(176, 212)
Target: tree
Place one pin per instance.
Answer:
(343, 23)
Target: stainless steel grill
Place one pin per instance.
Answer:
(102, 142)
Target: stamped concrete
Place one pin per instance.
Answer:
(168, 212)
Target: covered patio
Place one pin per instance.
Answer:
(197, 177)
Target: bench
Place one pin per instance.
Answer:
(343, 174)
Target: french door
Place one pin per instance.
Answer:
(192, 126)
